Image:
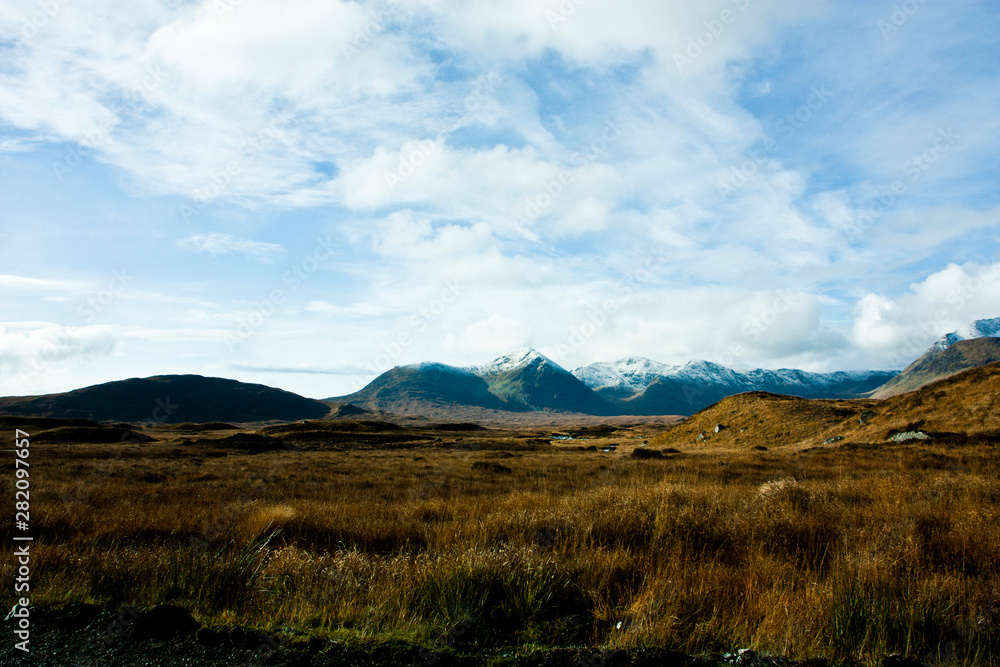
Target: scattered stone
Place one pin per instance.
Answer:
(865, 417)
(701, 437)
(164, 621)
(908, 435)
(645, 453)
(833, 439)
(719, 427)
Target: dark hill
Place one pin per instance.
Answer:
(539, 384)
(412, 389)
(170, 399)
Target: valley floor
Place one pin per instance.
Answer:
(436, 546)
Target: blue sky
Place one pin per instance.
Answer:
(305, 193)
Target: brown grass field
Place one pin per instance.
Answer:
(851, 550)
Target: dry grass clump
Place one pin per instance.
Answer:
(850, 553)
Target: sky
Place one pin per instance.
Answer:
(306, 193)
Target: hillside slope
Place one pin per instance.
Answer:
(964, 405)
(170, 399)
(938, 363)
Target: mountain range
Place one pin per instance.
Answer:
(526, 380)
(521, 381)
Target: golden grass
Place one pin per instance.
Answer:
(850, 553)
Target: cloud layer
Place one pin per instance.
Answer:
(344, 185)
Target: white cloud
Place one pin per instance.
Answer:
(223, 244)
(36, 351)
(900, 329)
(24, 282)
(353, 310)
(474, 111)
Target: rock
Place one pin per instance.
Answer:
(701, 436)
(833, 439)
(646, 453)
(719, 427)
(899, 660)
(865, 417)
(908, 435)
(164, 621)
(746, 657)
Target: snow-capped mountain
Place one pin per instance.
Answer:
(631, 374)
(513, 360)
(526, 380)
(643, 386)
(975, 344)
(988, 328)
(521, 380)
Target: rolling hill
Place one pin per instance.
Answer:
(170, 399)
(964, 405)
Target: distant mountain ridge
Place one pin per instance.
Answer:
(646, 387)
(975, 344)
(526, 380)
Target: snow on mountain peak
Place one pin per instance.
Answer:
(516, 358)
(986, 328)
